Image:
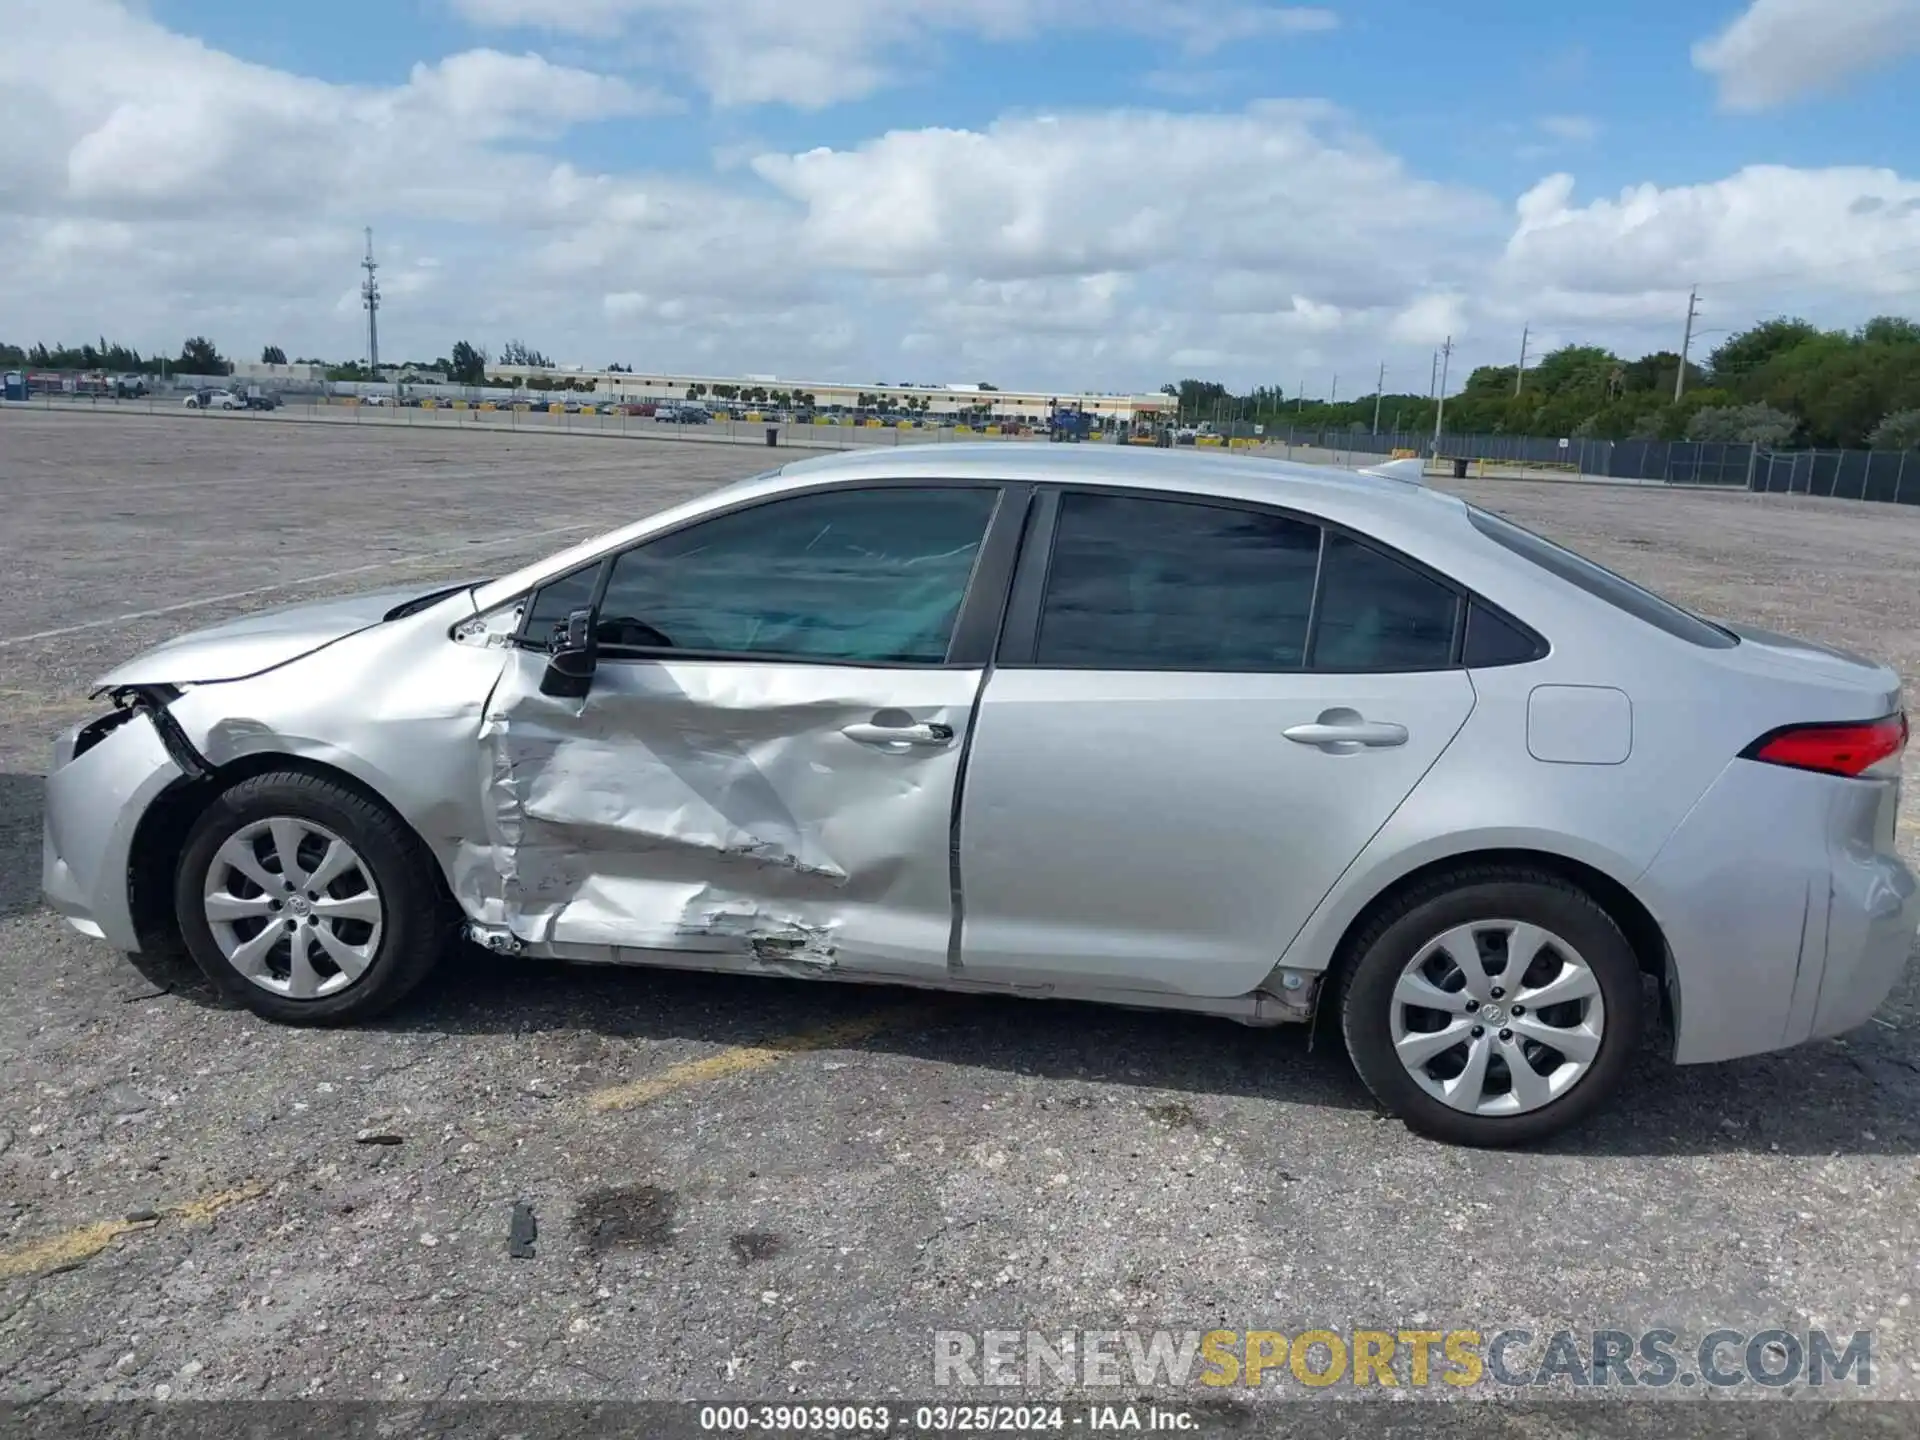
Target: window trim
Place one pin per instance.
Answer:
(1020, 638)
(975, 626)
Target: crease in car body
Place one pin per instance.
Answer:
(618, 820)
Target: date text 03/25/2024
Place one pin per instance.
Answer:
(959, 1419)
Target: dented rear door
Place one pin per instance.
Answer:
(782, 793)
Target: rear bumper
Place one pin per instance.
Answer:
(94, 807)
(1872, 915)
(1787, 913)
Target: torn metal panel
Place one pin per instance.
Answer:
(717, 808)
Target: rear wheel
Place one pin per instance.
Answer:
(1492, 1008)
(307, 902)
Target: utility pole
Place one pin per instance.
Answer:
(1520, 377)
(1334, 397)
(1693, 312)
(1379, 390)
(1440, 415)
(1300, 399)
(370, 296)
(1433, 376)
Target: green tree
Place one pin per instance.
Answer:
(467, 365)
(1742, 424)
(1745, 353)
(273, 355)
(1890, 330)
(199, 357)
(518, 352)
(1899, 431)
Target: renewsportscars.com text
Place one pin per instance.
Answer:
(1403, 1358)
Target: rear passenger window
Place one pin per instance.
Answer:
(1494, 641)
(1171, 585)
(1377, 613)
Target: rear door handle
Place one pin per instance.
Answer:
(1349, 735)
(870, 734)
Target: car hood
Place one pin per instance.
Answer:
(238, 648)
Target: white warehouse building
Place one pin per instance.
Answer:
(945, 400)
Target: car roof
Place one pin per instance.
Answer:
(1184, 470)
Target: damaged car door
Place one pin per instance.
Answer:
(762, 770)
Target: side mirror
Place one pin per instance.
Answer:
(575, 655)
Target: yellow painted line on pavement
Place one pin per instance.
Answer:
(83, 1242)
(744, 1059)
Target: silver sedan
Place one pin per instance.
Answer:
(1155, 729)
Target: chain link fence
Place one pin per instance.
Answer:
(1887, 476)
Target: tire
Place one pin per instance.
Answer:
(383, 913)
(1582, 954)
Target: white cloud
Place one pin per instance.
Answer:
(1845, 230)
(752, 52)
(1282, 241)
(1781, 50)
(1267, 189)
(1429, 320)
(492, 93)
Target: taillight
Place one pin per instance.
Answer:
(1848, 748)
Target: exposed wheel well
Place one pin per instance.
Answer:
(1636, 922)
(162, 835)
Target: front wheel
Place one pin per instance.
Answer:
(1495, 1008)
(307, 902)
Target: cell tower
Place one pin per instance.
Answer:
(370, 294)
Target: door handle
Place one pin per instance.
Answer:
(870, 734)
(1349, 735)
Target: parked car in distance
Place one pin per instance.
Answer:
(215, 400)
(1213, 735)
(262, 400)
(375, 400)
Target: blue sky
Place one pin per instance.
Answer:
(1107, 189)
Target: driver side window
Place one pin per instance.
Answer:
(864, 576)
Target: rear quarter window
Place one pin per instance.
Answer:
(1602, 583)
